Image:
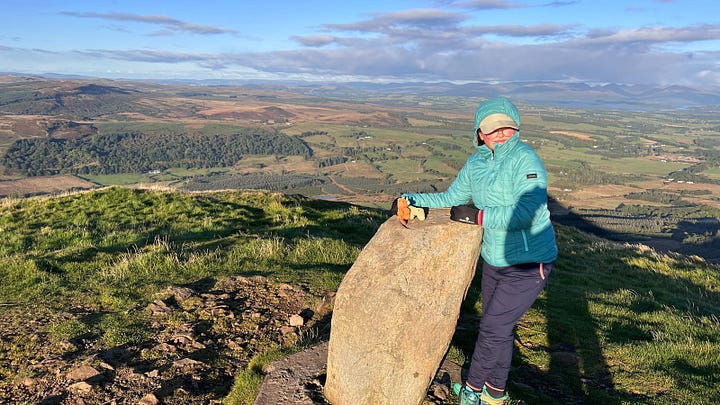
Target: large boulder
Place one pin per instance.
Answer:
(396, 309)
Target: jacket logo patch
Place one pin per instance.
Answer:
(532, 176)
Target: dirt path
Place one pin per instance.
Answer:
(340, 186)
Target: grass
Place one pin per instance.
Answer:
(641, 165)
(616, 324)
(713, 173)
(113, 249)
(405, 170)
(624, 325)
(247, 382)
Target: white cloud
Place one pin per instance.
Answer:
(169, 23)
(444, 43)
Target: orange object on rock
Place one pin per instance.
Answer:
(403, 210)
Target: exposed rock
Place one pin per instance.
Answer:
(287, 379)
(183, 339)
(83, 372)
(297, 320)
(225, 323)
(233, 345)
(396, 310)
(27, 381)
(105, 366)
(81, 386)
(164, 347)
(158, 307)
(186, 362)
(149, 399)
(180, 293)
(440, 391)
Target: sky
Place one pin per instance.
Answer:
(657, 42)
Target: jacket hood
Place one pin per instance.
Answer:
(499, 105)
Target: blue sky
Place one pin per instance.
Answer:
(596, 41)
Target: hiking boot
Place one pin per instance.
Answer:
(466, 395)
(487, 399)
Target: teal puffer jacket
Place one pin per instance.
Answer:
(510, 186)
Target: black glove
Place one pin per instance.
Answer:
(467, 214)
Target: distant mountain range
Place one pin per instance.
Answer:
(611, 96)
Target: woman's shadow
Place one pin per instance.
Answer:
(561, 343)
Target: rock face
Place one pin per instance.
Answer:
(295, 379)
(396, 309)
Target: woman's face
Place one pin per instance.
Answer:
(497, 137)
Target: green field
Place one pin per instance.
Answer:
(713, 173)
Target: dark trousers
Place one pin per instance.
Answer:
(507, 293)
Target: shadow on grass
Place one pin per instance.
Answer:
(692, 236)
(578, 370)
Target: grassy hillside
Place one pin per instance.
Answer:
(617, 324)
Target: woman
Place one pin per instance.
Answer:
(506, 183)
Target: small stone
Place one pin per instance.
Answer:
(153, 373)
(149, 399)
(233, 345)
(182, 339)
(83, 372)
(241, 280)
(81, 386)
(440, 391)
(185, 362)
(106, 366)
(28, 382)
(165, 347)
(297, 320)
(180, 293)
(158, 307)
